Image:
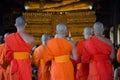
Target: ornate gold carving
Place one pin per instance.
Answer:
(40, 23)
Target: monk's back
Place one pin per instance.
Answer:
(59, 46)
(62, 68)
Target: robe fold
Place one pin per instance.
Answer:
(97, 53)
(82, 68)
(39, 59)
(2, 63)
(61, 68)
(17, 53)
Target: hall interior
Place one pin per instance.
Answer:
(42, 16)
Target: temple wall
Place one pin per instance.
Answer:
(40, 23)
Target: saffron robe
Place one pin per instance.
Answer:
(118, 55)
(20, 67)
(39, 59)
(2, 63)
(97, 53)
(82, 68)
(61, 68)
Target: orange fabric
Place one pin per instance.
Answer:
(21, 55)
(8, 73)
(39, 59)
(2, 70)
(1, 53)
(118, 55)
(20, 69)
(97, 53)
(2, 63)
(63, 58)
(60, 70)
(82, 68)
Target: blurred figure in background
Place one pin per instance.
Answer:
(117, 70)
(118, 55)
(3, 65)
(39, 57)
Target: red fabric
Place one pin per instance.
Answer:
(60, 70)
(20, 69)
(83, 70)
(97, 53)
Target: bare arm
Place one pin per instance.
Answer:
(73, 54)
(112, 55)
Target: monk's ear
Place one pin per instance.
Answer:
(15, 24)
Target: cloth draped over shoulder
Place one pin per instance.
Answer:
(97, 53)
(60, 50)
(39, 59)
(82, 68)
(17, 52)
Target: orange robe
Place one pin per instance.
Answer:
(2, 65)
(118, 55)
(82, 68)
(97, 53)
(61, 68)
(39, 57)
(17, 52)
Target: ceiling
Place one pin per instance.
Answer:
(106, 10)
(98, 4)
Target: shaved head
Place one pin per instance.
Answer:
(98, 28)
(20, 21)
(87, 32)
(61, 28)
(45, 37)
(6, 34)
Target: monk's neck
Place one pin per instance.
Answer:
(20, 31)
(61, 36)
(44, 43)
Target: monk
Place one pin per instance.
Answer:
(18, 46)
(3, 66)
(61, 51)
(82, 68)
(39, 58)
(98, 51)
(117, 70)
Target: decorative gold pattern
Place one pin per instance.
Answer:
(40, 23)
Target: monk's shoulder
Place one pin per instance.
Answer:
(52, 40)
(29, 38)
(80, 41)
(11, 35)
(108, 41)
